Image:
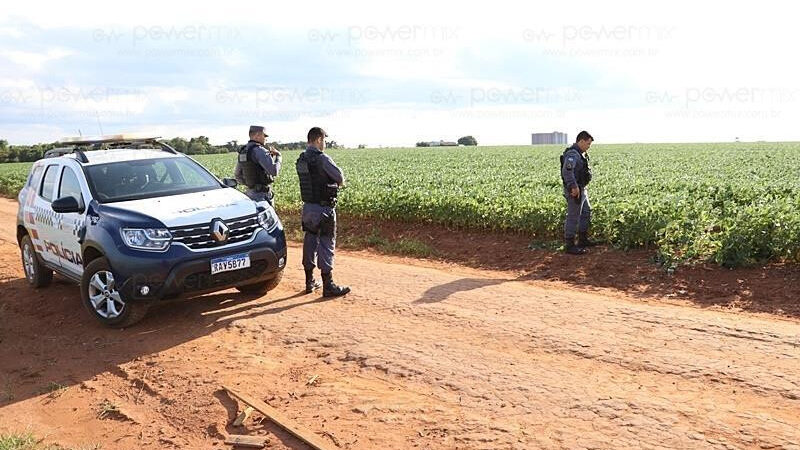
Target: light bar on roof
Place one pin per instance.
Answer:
(125, 137)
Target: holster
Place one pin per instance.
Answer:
(327, 224)
(579, 198)
(308, 229)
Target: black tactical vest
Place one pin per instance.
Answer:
(583, 176)
(315, 184)
(252, 172)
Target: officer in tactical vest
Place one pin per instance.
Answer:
(257, 167)
(320, 180)
(576, 174)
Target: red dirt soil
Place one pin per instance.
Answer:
(524, 349)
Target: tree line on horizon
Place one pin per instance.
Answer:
(194, 146)
(464, 140)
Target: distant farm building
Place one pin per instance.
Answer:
(555, 137)
(437, 144)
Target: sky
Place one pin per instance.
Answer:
(393, 74)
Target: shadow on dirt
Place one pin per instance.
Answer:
(444, 291)
(773, 288)
(47, 335)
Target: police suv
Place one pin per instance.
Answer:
(134, 221)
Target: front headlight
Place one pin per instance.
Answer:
(154, 239)
(268, 219)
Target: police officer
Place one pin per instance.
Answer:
(320, 180)
(576, 174)
(257, 167)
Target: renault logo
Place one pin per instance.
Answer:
(219, 231)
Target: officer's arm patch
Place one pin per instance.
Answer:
(570, 163)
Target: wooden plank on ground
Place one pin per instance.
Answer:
(281, 420)
(242, 440)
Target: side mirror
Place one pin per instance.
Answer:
(68, 204)
(230, 182)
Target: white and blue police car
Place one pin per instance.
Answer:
(134, 222)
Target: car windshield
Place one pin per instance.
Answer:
(148, 178)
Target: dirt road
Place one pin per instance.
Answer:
(420, 355)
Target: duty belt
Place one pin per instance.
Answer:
(331, 203)
(261, 187)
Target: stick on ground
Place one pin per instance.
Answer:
(241, 440)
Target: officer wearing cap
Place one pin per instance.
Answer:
(576, 174)
(320, 180)
(257, 167)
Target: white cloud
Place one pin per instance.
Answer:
(34, 61)
(12, 32)
(16, 82)
(170, 95)
(676, 71)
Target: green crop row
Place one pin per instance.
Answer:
(733, 204)
(12, 177)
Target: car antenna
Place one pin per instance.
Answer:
(97, 114)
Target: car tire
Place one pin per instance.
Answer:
(102, 299)
(36, 273)
(262, 287)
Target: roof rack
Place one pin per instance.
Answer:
(81, 143)
(61, 151)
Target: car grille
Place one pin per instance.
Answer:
(198, 236)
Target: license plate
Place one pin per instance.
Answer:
(228, 263)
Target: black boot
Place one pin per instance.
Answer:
(330, 289)
(571, 248)
(583, 240)
(311, 284)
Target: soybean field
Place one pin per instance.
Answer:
(12, 177)
(732, 204)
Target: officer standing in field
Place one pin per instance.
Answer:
(320, 180)
(257, 167)
(576, 174)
